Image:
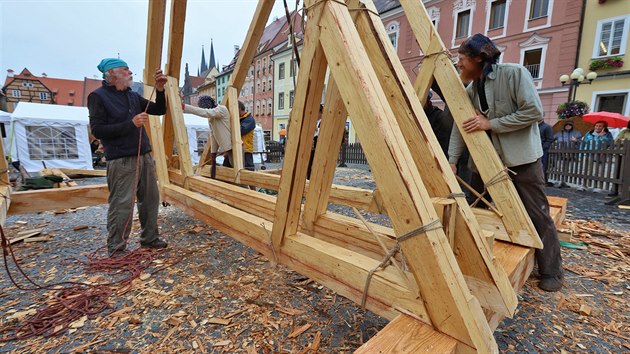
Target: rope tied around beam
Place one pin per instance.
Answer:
(365, 9)
(317, 3)
(501, 176)
(441, 52)
(433, 225)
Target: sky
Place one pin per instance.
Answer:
(68, 38)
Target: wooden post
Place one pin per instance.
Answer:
(310, 85)
(331, 130)
(179, 126)
(235, 126)
(517, 221)
(157, 147)
(153, 59)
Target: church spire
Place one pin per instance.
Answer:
(204, 66)
(212, 61)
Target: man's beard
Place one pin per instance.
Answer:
(122, 81)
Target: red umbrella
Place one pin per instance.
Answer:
(614, 120)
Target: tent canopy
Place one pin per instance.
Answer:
(52, 135)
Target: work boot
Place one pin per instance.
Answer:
(550, 283)
(157, 243)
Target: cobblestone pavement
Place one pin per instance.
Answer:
(172, 311)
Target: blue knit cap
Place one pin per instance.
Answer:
(110, 63)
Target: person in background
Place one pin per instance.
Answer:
(598, 137)
(441, 123)
(546, 138)
(568, 134)
(248, 124)
(508, 109)
(624, 134)
(219, 120)
(310, 161)
(117, 115)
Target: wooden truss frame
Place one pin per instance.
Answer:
(450, 284)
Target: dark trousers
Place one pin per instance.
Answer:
(530, 185)
(121, 178)
(545, 162)
(248, 162)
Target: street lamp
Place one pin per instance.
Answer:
(576, 79)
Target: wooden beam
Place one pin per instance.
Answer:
(331, 130)
(504, 195)
(5, 202)
(155, 39)
(451, 307)
(302, 124)
(179, 126)
(57, 172)
(35, 201)
(83, 173)
(154, 127)
(176, 38)
(235, 130)
(4, 166)
(489, 284)
(341, 270)
(406, 335)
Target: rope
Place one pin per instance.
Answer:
(456, 195)
(499, 177)
(433, 225)
(365, 9)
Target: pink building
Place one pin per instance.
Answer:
(542, 35)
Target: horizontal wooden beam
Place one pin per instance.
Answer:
(339, 269)
(83, 173)
(35, 201)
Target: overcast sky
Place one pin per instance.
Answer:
(68, 38)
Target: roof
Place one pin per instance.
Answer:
(386, 5)
(51, 112)
(196, 81)
(64, 91)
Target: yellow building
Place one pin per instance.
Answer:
(604, 49)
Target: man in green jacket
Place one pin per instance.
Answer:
(508, 109)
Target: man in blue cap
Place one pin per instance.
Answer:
(117, 115)
(508, 110)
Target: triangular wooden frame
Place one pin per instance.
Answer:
(452, 273)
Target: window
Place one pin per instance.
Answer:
(269, 106)
(615, 102)
(267, 136)
(16, 93)
(611, 37)
(292, 69)
(392, 31)
(257, 112)
(269, 83)
(43, 96)
(27, 84)
(51, 143)
(291, 99)
(538, 9)
(532, 60)
(281, 100)
(463, 24)
(202, 141)
(281, 71)
(497, 14)
(264, 86)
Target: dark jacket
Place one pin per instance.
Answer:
(442, 124)
(546, 135)
(111, 112)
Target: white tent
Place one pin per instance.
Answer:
(198, 130)
(54, 135)
(259, 144)
(5, 127)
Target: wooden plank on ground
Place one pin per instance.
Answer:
(35, 201)
(516, 219)
(83, 173)
(406, 335)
